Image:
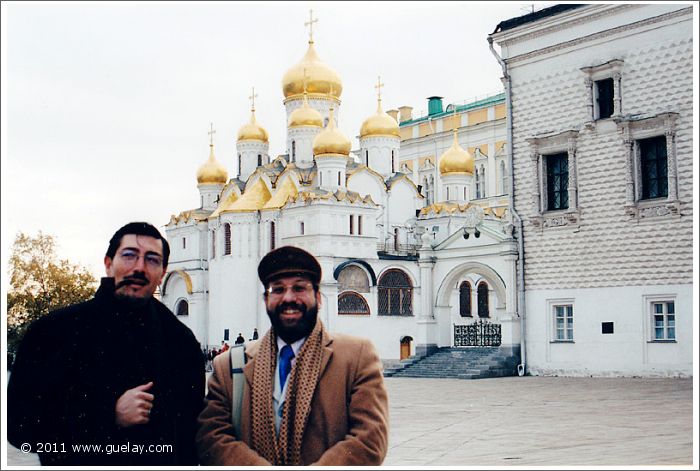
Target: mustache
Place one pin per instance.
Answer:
(136, 278)
(287, 305)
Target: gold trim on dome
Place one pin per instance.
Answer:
(456, 160)
(282, 195)
(253, 199)
(252, 131)
(305, 115)
(380, 124)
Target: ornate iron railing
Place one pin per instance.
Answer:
(400, 249)
(479, 334)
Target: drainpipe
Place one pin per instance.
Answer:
(511, 207)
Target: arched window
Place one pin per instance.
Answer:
(465, 299)
(227, 239)
(272, 235)
(294, 151)
(259, 160)
(395, 294)
(182, 309)
(353, 278)
(482, 295)
(352, 303)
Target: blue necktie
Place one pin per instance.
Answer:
(286, 356)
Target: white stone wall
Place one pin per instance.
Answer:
(608, 261)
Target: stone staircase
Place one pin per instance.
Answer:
(463, 363)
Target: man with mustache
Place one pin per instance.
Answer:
(116, 380)
(309, 397)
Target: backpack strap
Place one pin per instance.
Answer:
(238, 360)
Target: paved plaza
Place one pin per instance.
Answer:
(540, 421)
(534, 421)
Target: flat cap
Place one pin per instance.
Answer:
(288, 261)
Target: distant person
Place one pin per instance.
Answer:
(240, 339)
(119, 370)
(255, 334)
(309, 397)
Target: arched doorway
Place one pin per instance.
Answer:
(406, 347)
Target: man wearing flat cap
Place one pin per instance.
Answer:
(309, 397)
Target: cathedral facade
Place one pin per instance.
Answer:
(411, 229)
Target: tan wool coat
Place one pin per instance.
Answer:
(348, 422)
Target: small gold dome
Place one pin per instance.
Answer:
(456, 159)
(320, 79)
(252, 131)
(331, 140)
(305, 116)
(379, 124)
(212, 172)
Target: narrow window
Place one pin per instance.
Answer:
(338, 178)
(301, 228)
(239, 165)
(393, 164)
(272, 235)
(465, 299)
(352, 224)
(184, 242)
(478, 184)
(605, 94)
(213, 244)
(367, 158)
(359, 225)
(652, 153)
(503, 178)
(482, 295)
(227, 239)
(448, 193)
(396, 239)
(320, 178)
(564, 322)
(259, 160)
(225, 334)
(294, 151)
(483, 182)
(557, 181)
(465, 193)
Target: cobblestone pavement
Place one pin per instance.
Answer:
(540, 421)
(533, 421)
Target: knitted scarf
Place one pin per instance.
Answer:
(284, 449)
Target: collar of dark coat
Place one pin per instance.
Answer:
(251, 350)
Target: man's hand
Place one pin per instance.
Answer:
(134, 406)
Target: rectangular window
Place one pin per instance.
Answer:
(301, 228)
(359, 225)
(557, 181)
(605, 92)
(352, 224)
(564, 322)
(225, 334)
(663, 318)
(654, 167)
(184, 242)
(213, 244)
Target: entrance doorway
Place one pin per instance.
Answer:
(406, 347)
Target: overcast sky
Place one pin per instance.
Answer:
(106, 106)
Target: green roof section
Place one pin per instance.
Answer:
(484, 102)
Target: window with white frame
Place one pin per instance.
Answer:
(663, 320)
(650, 163)
(555, 183)
(504, 178)
(604, 89)
(563, 322)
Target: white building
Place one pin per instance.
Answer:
(602, 112)
(405, 270)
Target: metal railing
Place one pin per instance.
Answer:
(481, 333)
(398, 249)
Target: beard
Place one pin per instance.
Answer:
(291, 332)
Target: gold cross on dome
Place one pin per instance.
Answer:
(211, 134)
(379, 86)
(252, 98)
(310, 24)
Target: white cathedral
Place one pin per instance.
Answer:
(412, 229)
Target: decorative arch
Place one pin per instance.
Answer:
(182, 307)
(359, 262)
(491, 276)
(185, 277)
(465, 299)
(482, 294)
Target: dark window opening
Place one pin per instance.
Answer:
(605, 98)
(482, 295)
(394, 294)
(607, 327)
(557, 181)
(465, 299)
(654, 163)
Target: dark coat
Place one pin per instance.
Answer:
(73, 365)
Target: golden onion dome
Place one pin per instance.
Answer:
(456, 159)
(379, 124)
(320, 79)
(305, 116)
(252, 131)
(212, 172)
(331, 140)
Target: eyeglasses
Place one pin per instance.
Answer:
(298, 289)
(130, 257)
